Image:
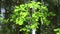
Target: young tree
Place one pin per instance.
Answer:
(24, 14)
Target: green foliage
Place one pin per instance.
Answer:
(3, 20)
(57, 30)
(22, 14)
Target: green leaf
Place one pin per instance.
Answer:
(23, 29)
(16, 10)
(38, 3)
(57, 29)
(58, 33)
(17, 7)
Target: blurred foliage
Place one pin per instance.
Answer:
(57, 30)
(52, 6)
(22, 14)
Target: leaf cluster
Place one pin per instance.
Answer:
(22, 14)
